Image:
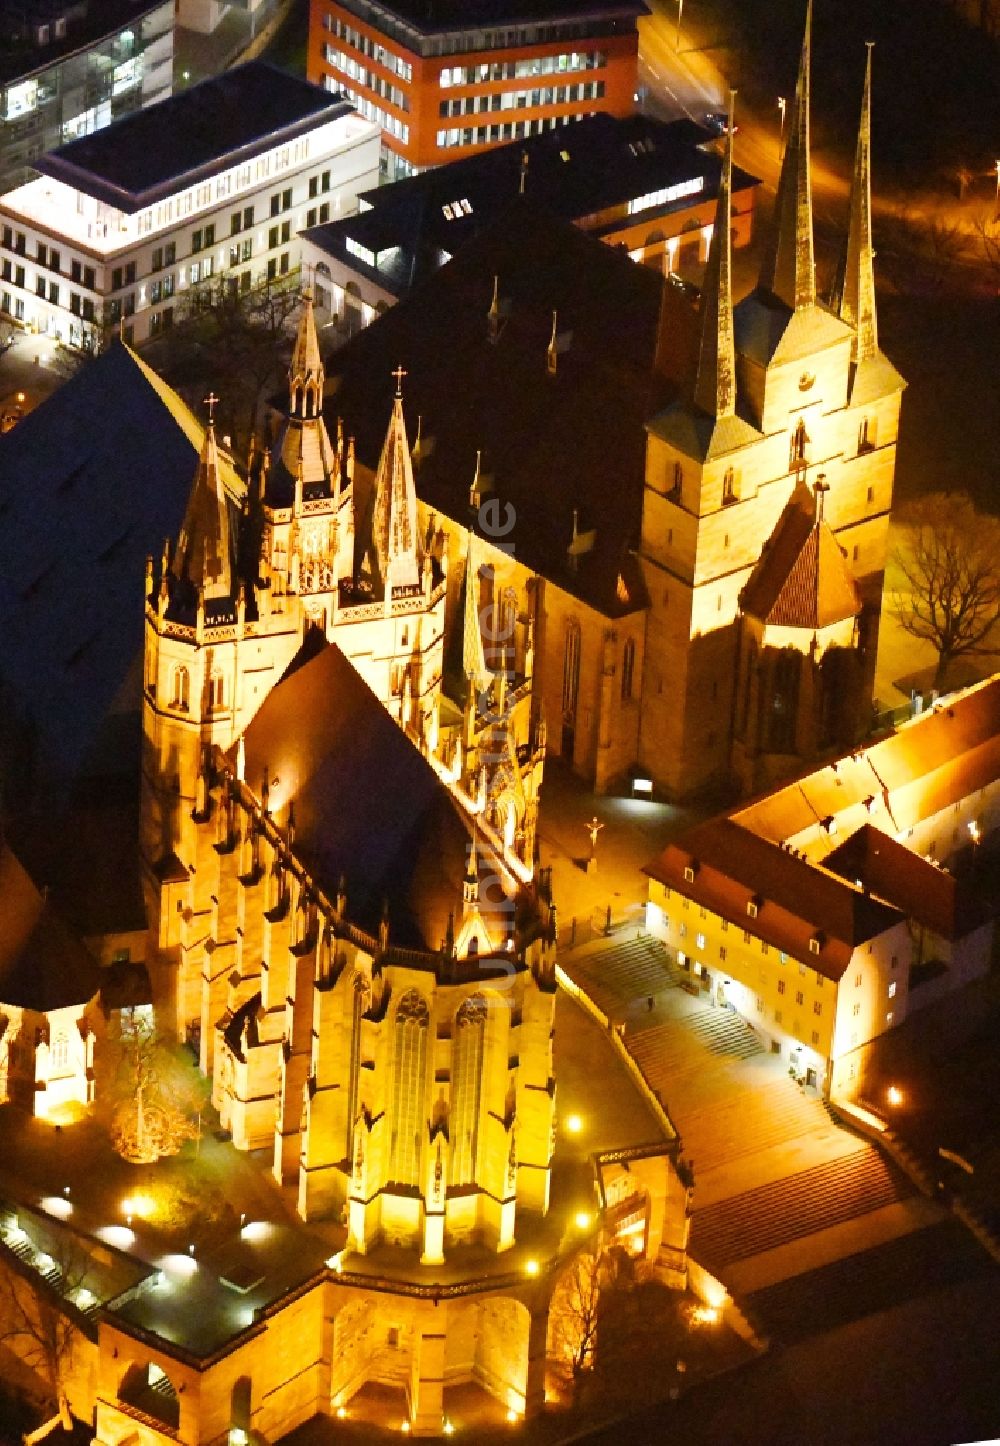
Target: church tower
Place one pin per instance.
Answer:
(214, 645)
(787, 391)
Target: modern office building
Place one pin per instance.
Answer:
(69, 67)
(634, 182)
(120, 225)
(444, 77)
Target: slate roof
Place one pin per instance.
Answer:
(367, 804)
(577, 172)
(229, 118)
(770, 333)
(551, 444)
(802, 579)
(795, 900)
(90, 482)
(42, 965)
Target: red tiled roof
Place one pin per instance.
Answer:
(796, 901)
(929, 894)
(802, 579)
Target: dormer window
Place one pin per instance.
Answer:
(753, 908)
(689, 872)
(815, 944)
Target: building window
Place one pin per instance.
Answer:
(892, 990)
(678, 482)
(180, 692)
(628, 669)
(467, 1082)
(867, 433)
(571, 670)
(799, 443)
(699, 940)
(817, 1007)
(216, 692)
(856, 1010)
(730, 490)
(814, 945)
(857, 981)
(724, 925)
(798, 996)
(409, 1072)
(722, 952)
(781, 986)
(777, 1016)
(815, 1036)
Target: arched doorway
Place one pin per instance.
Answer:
(149, 1389)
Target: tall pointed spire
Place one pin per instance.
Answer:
(394, 541)
(203, 557)
(854, 296)
(715, 383)
(305, 371)
(788, 269)
(473, 653)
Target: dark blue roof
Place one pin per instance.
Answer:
(90, 482)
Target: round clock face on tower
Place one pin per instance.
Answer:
(805, 381)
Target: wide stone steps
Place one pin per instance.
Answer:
(615, 975)
(771, 1215)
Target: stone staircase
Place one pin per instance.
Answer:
(799, 1205)
(619, 973)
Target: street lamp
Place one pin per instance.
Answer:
(782, 103)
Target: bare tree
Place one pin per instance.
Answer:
(574, 1313)
(950, 559)
(37, 1323)
(152, 1115)
(235, 343)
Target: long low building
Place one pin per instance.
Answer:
(827, 911)
(211, 185)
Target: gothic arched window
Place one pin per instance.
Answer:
(800, 440)
(628, 669)
(467, 1087)
(730, 489)
(409, 1071)
(180, 692)
(216, 691)
(571, 668)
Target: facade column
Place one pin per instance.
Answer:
(427, 1372)
(534, 1388)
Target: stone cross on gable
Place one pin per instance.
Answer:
(821, 488)
(211, 402)
(399, 374)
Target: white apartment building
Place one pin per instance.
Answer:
(210, 185)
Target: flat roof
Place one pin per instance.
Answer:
(578, 172)
(228, 118)
(431, 17)
(20, 60)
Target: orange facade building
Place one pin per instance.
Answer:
(446, 79)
